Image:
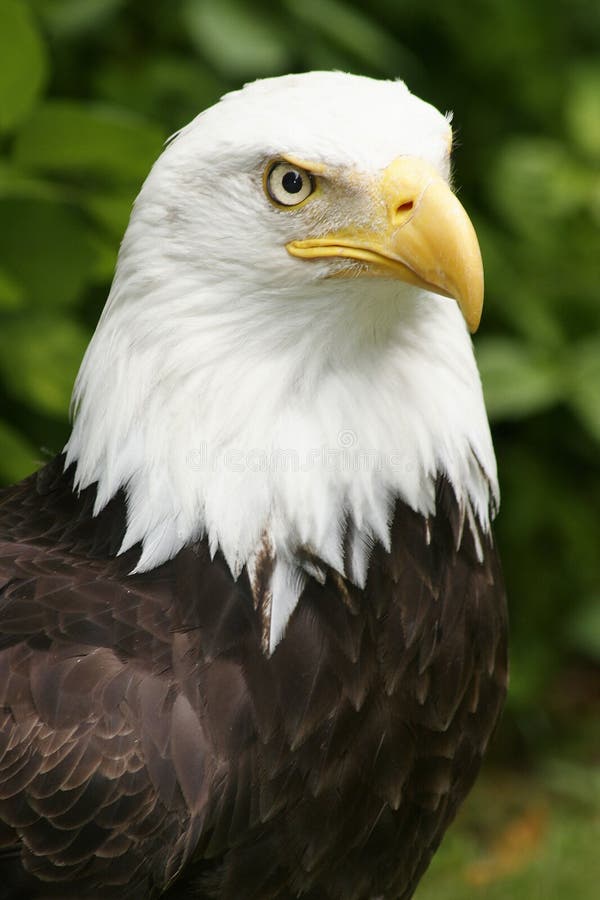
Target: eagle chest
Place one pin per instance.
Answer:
(373, 713)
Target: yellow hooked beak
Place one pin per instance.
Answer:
(424, 237)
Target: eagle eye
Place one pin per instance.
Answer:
(288, 185)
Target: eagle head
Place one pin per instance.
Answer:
(285, 349)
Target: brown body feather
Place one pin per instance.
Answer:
(147, 743)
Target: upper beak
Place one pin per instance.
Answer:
(424, 238)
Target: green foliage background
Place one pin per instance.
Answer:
(89, 90)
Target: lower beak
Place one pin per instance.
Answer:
(425, 238)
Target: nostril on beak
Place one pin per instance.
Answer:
(402, 212)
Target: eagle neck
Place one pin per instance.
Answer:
(278, 439)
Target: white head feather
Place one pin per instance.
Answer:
(234, 391)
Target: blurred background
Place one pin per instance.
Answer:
(90, 89)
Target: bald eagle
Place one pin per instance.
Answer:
(252, 622)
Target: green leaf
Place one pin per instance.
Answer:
(17, 456)
(234, 38)
(23, 65)
(171, 89)
(584, 632)
(84, 140)
(106, 252)
(569, 778)
(110, 210)
(510, 290)
(70, 17)
(15, 183)
(513, 841)
(582, 109)
(536, 183)
(516, 380)
(45, 248)
(11, 292)
(355, 31)
(39, 358)
(584, 383)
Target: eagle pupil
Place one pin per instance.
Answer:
(292, 182)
